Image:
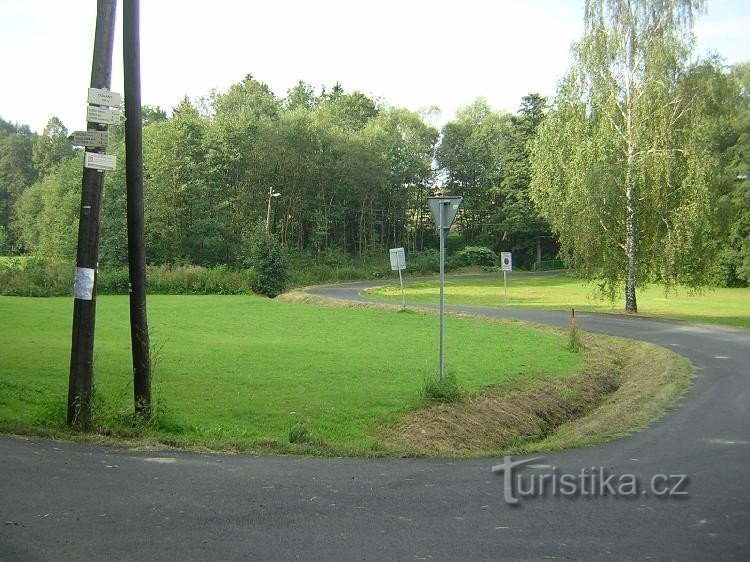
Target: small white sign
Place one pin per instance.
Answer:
(103, 115)
(104, 97)
(94, 139)
(506, 261)
(398, 259)
(101, 162)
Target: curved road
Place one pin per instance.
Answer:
(66, 501)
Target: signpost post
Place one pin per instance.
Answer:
(506, 262)
(443, 210)
(80, 382)
(398, 263)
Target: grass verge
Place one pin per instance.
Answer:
(729, 307)
(624, 386)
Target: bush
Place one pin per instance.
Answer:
(453, 242)
(474, 255)
(575, 341)
(445, 392)
(270, 265)
(197, 280)
(303, 271)
(115, 281)
(426, 261)
(36, 277)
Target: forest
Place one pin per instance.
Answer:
(352, 175)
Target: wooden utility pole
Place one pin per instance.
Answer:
(134, 176)
(87, 258)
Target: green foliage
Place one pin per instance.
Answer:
(196, 280)
(17, 171)
(305, 270)
(36, 277)
(549, 265)
(443, 392)
(270, 264)
(40, 277)
(4, 246)
(575, 341)
(623, 164)
(474, 255)
(51, 148)
(426, 261)
(299, 433)
(354, 174)
(46, 217)
(732, 198)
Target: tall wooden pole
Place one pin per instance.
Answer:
(87, 258)
(134, 176)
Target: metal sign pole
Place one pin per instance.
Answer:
(443, 209)
(401, 281)
(505, 282)
(441, 366)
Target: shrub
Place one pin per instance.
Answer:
(270, 265)
(298, 433)
(453, 242)
(575, 341)
(197, 280)
(115, 281)
(426, 261)
(36, 277)
(474, 255)
(445, 392)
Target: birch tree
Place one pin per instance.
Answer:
(622, 165)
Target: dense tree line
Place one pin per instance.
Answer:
(353, 174)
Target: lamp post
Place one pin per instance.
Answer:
(271, 195)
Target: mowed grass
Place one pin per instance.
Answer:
(244, 370)
(563, 292)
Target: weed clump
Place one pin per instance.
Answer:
(575, 341)
(298, 433)
(446, 391)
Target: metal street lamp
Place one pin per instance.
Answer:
(271, 195)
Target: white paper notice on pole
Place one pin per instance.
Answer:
(104, 97)
(101, 162)
(506, 261)
(398, 259)
(83, 284)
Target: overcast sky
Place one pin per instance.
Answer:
(409, 53)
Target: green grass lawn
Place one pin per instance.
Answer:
(717, 306)
(243, 370)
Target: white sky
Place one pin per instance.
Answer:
(409, 53)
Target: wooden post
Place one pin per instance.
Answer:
(139, 337)
(84, 308)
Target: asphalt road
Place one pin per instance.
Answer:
(61, 501)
